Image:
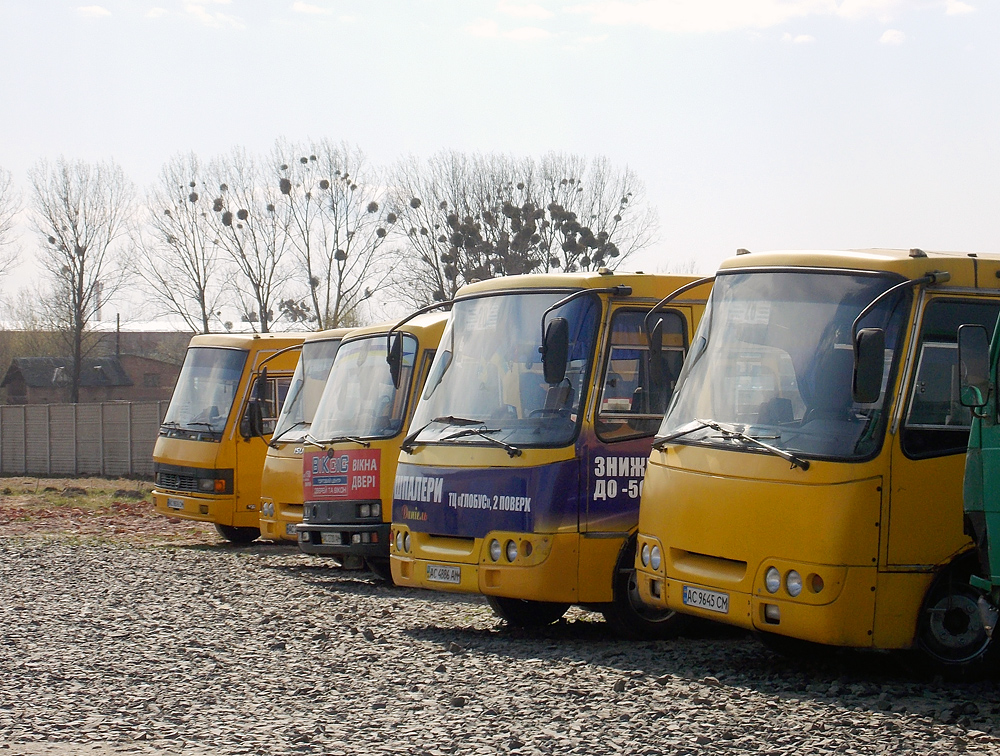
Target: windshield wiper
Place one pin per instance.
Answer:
(210, 426)
(731, 433)
(274, 440)
(337, 440)
(737, 433)
(410, 441)
(512, 451)
(662, 441)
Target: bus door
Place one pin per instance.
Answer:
(251, 450)
(631, 399)
(928, 450)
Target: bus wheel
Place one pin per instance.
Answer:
(523, 613)
(380, 566)
(237, 535)
(950, 632)
(626, 614)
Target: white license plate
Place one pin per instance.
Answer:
(330, 539)
(441, 573)
(175, 503)
(699, 598)
(290, 528)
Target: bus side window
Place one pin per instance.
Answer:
(277, 390)
(936, 423)
(634, 393)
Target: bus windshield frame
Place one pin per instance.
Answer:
(487, 374)
(206, 389)
(773, 359)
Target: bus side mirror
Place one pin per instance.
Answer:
(869, 364)
(395, 359)
(253, 420)
(974, 364)
(555, 350)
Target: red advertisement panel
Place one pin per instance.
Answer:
(341, 475)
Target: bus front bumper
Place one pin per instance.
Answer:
(846, 619)
(544, 566)
(368, 541)
(281, 525)
(216, 509)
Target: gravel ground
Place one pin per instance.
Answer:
(128, 644)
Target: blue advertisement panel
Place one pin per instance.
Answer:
(614, 483)
(472, 502)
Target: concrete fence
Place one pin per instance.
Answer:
(108, 438)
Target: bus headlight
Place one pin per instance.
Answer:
(495, 550)
(644, 554)
(511, 551)
(364, 510)
(654, 558)
(772, 580)
(399, 540)
(793, 583)
(406, 543)
(376, 510)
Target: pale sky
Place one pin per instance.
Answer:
(764, 124)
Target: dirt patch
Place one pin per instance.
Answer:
(92, 509)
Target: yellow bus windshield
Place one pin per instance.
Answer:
(206, 388)
(773, 359)
(360, 398)
(305, 390)
(488, 370)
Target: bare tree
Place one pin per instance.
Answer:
(599, 214)
(80, 211)
(180, 258)
(480, 216)
(10, 209)
(338, 227)
(253, 231)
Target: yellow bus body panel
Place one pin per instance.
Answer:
(427, 330)
(281, 478)
(577, 568)
(245, 457)
(875, 533)
(281, 485)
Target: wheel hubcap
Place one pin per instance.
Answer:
(955, 624)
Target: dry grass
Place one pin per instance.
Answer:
(92, 509)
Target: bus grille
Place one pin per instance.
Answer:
(177, 482)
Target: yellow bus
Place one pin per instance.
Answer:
(207, 461)
(521, 480)
(361, 419)
(806, 482)
(281, 480)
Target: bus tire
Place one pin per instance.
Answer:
(237, 535)
(380, 566)
(951, 638)
(524, 613)
(627, 616)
